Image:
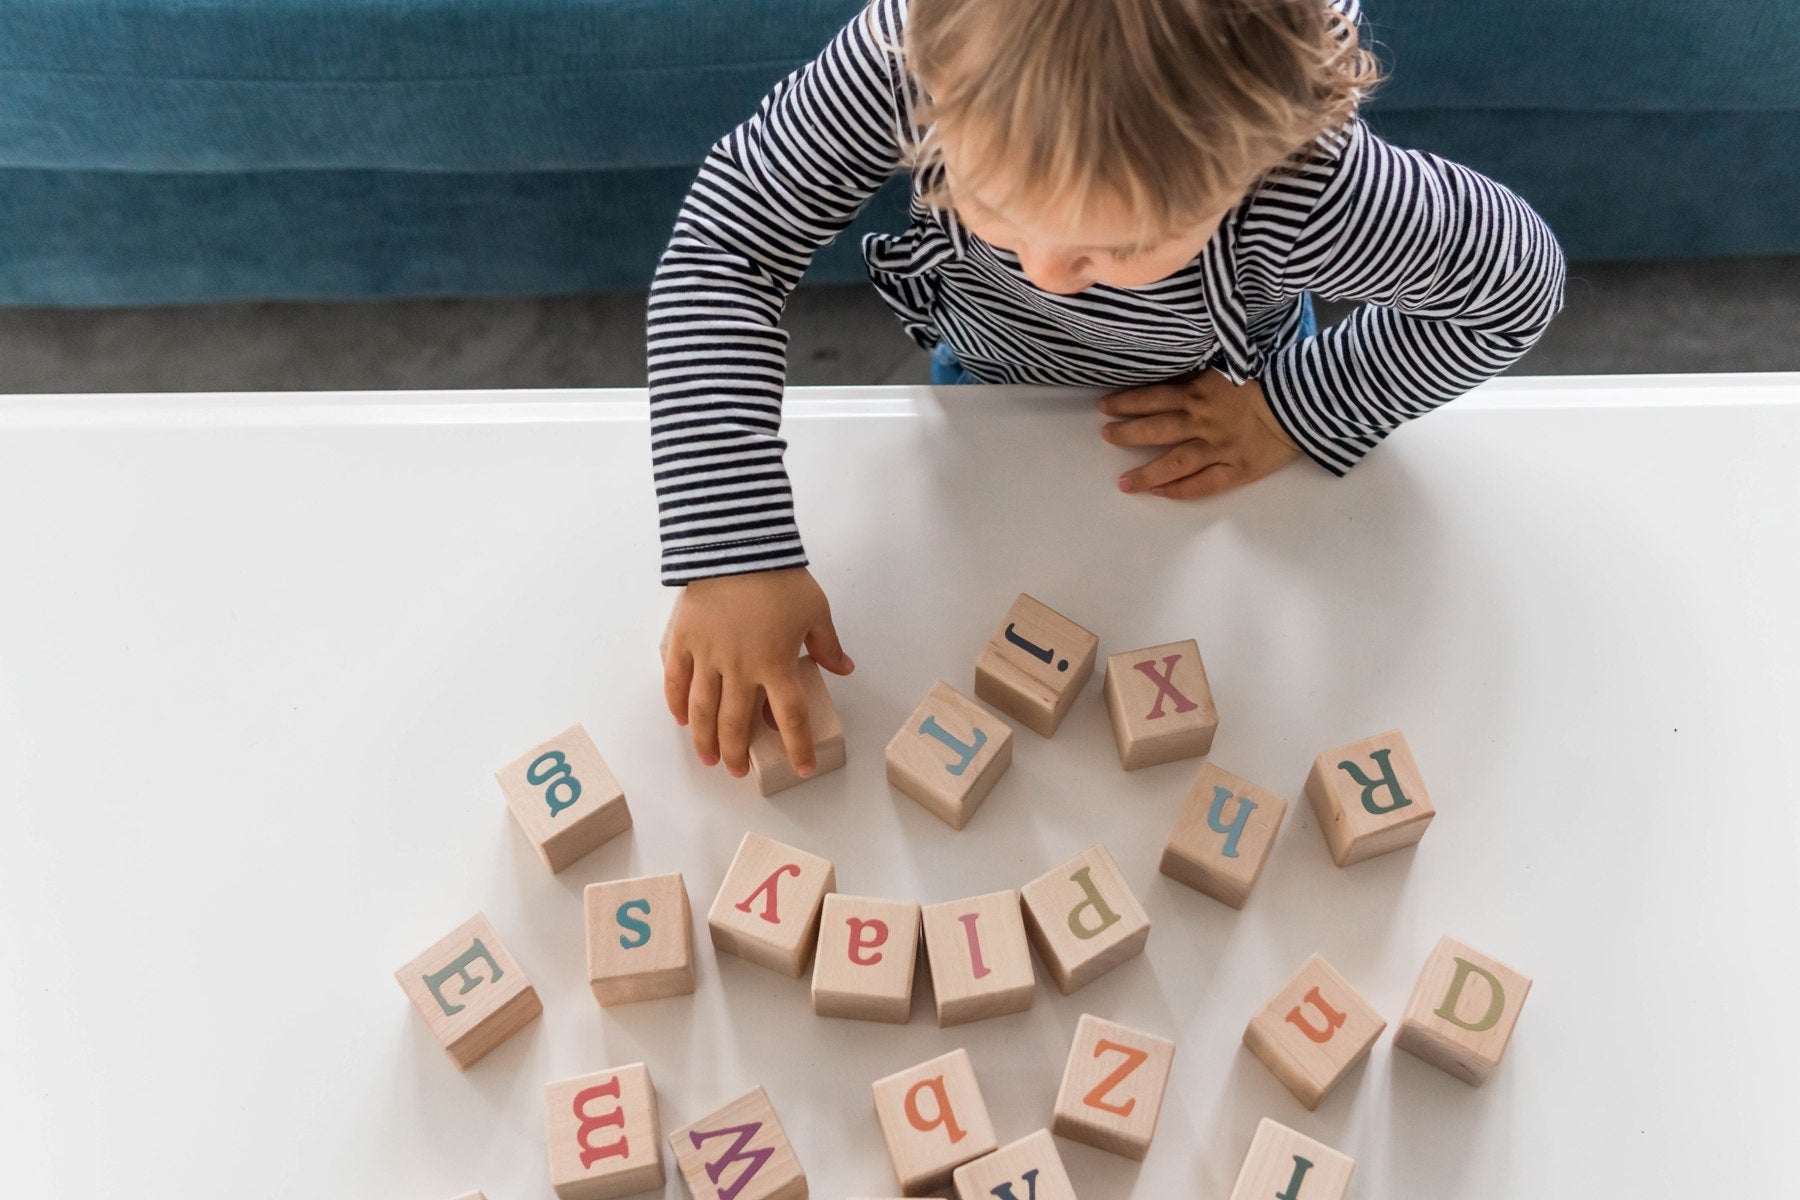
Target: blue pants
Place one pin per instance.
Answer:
(946, 370)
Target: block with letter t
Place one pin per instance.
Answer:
(471, 992)
(564, 798)
(1369, 798)
(740, 1152)
(605, 1139)
(949, 755)
(1462, 1012)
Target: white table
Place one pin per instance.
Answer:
(260, 655)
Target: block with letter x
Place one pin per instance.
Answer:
(1160, 704)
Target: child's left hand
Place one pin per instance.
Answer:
(1222, 436)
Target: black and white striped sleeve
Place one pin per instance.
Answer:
(1460, 278)
(768, 195)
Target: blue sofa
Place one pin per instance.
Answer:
(164, 151)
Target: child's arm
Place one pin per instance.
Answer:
(769, 194)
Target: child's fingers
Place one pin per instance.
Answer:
(678, 681)
(1209, 481)
(822, 643)
(1159, 429)
(737, 707)
(1186, 459)
(703, 715)
(787, 701)
(1141, 402)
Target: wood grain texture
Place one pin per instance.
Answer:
(1035, 665)
(565, 798)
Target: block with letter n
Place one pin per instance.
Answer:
(1112, 1088)
(949, 755)
(1160, 704)
(564, 798)
(933, 1119)
(1369, 798)
(471, 992)
(1035, 666)
(1462, 1012)
(1314, 1031)
(767, 910)
(740, 1152)
(1083, 919)
(1028, 1169)
(604, 1136)
(640, 939)
(1286, 1165)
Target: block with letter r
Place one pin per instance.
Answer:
(1369, 798)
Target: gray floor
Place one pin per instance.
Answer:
(1721, 315)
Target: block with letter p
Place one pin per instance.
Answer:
(767, 910)
(740, 1152)
(1083, 919)
(1314, 1031)
(564, 798)
(471, 992)
(1112, 1088)
(1160, 704)
(949, 755)
(640, 939)
(1036, 665)
(1286, 1165)
(934, 1120)
(604, 1136)
(1462, 1012)
(1369, 798)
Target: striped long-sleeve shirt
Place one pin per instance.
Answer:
(1457, 275)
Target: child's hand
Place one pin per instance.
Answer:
(733, 635)
(1223, 436)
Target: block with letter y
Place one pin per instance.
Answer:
(739, 1153)
(767, 910)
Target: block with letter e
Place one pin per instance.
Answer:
(471, 992)
(934, 1120)
(1462, 1012)
(1314, 1031)
(1112, 1088)
(1028, 1169)
(949, 755)
(740, 1152)
(604, 1136)
(1223, 836)
(1160, 704)
(640, 939)
(1286, 1165)
(1035, 666)
(868, 952)
(1369, 798)
(767, 910)
(1083, 919)
(564, 798)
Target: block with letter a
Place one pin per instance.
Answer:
(1112, 1088)
(767, 910)
(1160, 704)
(739, 1153)
(640, 939)
(1035, 666)
(934, 1120)
(1083, 919)
(471, 992)
(564, 798)
(1369, 798)
(1286, 1165)
(1314, 1031)
(1462, 1012)
(604, 1136)
(868, 951)
(980, 961)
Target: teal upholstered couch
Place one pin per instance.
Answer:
(182, 150)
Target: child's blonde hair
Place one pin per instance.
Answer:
(1176, 108)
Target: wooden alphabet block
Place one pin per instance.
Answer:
(1160, 704)
(868, 950)
(471, 1196)
(1029, 1169)
(471, 992)
(640, 939)
(949, 755)
(934, 1120)
(564, 798)
(1369, 798)
(605, 1139)
(1112, 1089)
(1462, 1013)
(980, 962)
(739, 1153)
(769, 765)
(767, 910)
(1314, 1031)
(1083, 919)
(1223, 836)
(1035, 666)
(1287, 1165)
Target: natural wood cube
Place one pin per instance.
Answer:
(1029, 1169)
(471, 1196)
(1369, 798)
(605, 1139)
(1291, 1166)
(1224, 835)
(980, 962)
(769, 765)
(868, 950)
(1314, 1031)
(640, 939)
(739, 1153)
(934, 1120)
(1462, 1013)
(767, 910)
(1083, 919)
(1112, 1089)
(470, 990)
(564, 798)
(1035, 666)
(949, 755)
(1160, 704)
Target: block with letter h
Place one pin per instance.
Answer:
(740, 1152)
(640, 939)
(949, 755)
(934, 1120)
(1112, 1088)
(1028, 1169)
(1160, 704)
(564, 798)
(868, 951)
(1035, 666)
(1314, 1031)
(767, 910)
(604, 1135)
(1369, 798)
(471, 992)
(1462, 1012)
(1083, 919)
(980, 961)
(1223, 836)
(1285, 1165)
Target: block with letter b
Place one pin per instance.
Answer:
(934, 1120)
(949, 755)
(1083, 919)
(1035, 666)
(1462, 1012)
(1314, 1031)
(1112, 1088)
(1369, 798)
(979, 958)
(1160, 704)
(1285, 1165)
(640, 939)
(1028, 1169)
(564, 798)
(740, 1152)
(604, 1136)
(868, 951)
(767, 910)
(471, 992)
(1223, 836)
(769, 764)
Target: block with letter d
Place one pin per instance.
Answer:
(1462, 1012)
(471, 992)
(640, 939)
(1369, 798)
(1160, 704)
(1314, 1031)
(1083, 919)
(605, 1139)
(1286, 1165)
(564, 798)
(949, 755)
(740, 1152)
(1112, 1088)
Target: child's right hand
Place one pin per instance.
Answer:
(732, 635)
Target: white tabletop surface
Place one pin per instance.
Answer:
(260, 656)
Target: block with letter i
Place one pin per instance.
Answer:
(868, 950)
(739, 1153)
(1028, 1169)
(1223, 836)
(949, 755)
(1160, 704)
(1461, 1014)
(1035, 666)
(1112, 1089)
(934, 1120)
(1285, 1165)
(605, 1140)
(564, 798)
(471, 992)
(1083, 919)
(1313, 1032)
(980, 961)
(769, 765)
(767, 910)
(640, 939)
(1369, 798)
